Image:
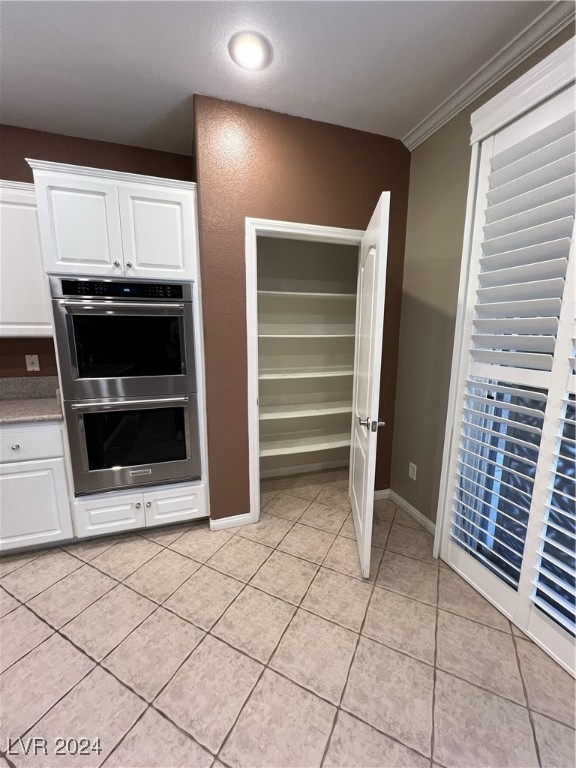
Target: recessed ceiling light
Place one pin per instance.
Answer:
(250, 50)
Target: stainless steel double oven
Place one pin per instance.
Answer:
(127, 368)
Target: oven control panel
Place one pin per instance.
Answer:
(120, 289)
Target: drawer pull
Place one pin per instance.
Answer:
(15, 447)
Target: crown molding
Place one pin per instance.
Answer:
(102, 173)
(20, 191)
(536, 34)
(550, 76)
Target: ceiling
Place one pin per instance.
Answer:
(125, 71)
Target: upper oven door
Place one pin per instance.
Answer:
(110, 348)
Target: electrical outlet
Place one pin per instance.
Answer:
(32, 363)
(412, 469)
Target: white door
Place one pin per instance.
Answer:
(174, 504)
(35, 507)
(107, 514)
(368, 356)
(158, 231)
(79, 225)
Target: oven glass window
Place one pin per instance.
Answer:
(126, 346)
(132, 437)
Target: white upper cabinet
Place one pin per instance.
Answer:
(104, 223)
(24, 303)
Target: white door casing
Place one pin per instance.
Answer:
(368, 357)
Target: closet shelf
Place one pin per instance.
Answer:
(304, 373)
(302, 444)
(277, 412)
(306, 335)
(308, 295)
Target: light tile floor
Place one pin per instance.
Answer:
(262, 646)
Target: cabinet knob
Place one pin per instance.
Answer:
(15, 447)
(148, 503)
(116, 263)
(138, 505)
(128, 263)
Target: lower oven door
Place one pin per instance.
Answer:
(131, 442)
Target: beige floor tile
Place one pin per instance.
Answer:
(384, 509)
(150, 655)
(556, 742)
(254, 623)
(354, 744)
(34, 684)
(20, 631)
(9, 563)
(489, 659)
(88, 550)
(308, 492)
(204, 597)
(316, 654)
(403, 518)
(160, 577)
(285, 576)
(239, 558)
(409, 577)
(265, 497)
(71, 595)
(402, 623)
(39, 574)
(411, 542)
(200, 543)
(380, 532)
(155, 743)
(126, 557)
(306, 542)
(550, 689)
(393, 693)
(324, 517)
(334, 497)
(338, 598)
(103, 625)
(474, 728)
(287, 506)
(7, 603)
(98, 707)
(282, 726)
(457, 596)
(343, 557)
(348, 529)
(208, 691)
(269, 530)
(166, 534)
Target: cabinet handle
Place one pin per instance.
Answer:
(138, 505)
(129, 264)
(148, 503)
(116, 263)
(15, 447)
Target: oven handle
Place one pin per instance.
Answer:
(128, 404)
(76, 307)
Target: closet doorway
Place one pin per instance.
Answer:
(315, 306)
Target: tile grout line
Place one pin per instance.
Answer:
(525, 691)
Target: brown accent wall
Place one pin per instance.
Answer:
(12, 357)
(18, 143)
(252, 162)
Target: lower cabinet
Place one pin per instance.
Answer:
(34, 503)
(111, 512)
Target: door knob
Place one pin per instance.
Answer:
(365, 423)
(128, 263)
(377, 424)
(148, 504)
(15, 447)
(116, 263)
(138, 505)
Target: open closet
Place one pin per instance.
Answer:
(306, 337)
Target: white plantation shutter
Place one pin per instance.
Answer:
(508, 500)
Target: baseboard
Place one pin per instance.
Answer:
(413, 512)
(303, 468)
(231, 522)
(385, 494)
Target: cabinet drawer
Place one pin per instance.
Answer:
(96, 515)
(35, 442)
(175, 504)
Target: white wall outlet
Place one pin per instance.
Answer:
(32, 363)
(412, 469)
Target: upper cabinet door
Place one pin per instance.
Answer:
(24, 302)
(158, 231)
(79, 225)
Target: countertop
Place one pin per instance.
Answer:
(30, 410)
